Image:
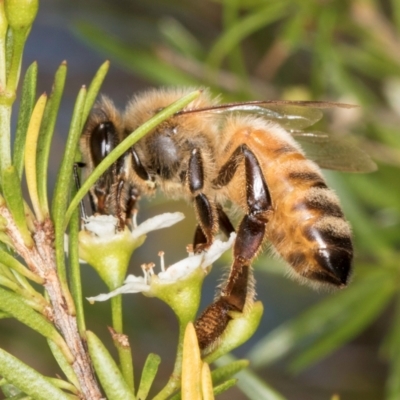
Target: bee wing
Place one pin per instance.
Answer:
(291, 115)
(335, 153)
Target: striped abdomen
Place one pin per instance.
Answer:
(308, 228)
(306, 225)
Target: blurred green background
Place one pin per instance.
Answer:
(310, 345)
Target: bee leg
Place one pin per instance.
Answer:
(77, 179)
(214, 320)
(120, 212)
(134, 195)
(138, 166)
(223, 222)
(205, 210)
(199, 238)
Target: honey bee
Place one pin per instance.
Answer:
(244, 153)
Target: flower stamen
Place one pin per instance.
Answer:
(162, 262)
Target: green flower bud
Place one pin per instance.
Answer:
(3, 22)
(240, 329)
(21, 13)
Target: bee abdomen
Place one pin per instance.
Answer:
(332, 250)
(328, 251)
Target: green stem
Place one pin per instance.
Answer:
(124, 353)
(116, 312)
(126, 365)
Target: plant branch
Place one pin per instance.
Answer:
(40, 258)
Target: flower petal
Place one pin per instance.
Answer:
(158, 222)
(217, 249)
(184, 267)
(132, 284)
(101, 225)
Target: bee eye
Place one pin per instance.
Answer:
(102, 141)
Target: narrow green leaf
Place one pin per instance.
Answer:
(243, 28)
(180, 38)
(107, 370)
(27, 379)
(13, 263)
(31, 156)
(19, 308)
(9, 284)
(75, 269)
(6, 272)
(225, 372)
(125, 145)
(149, 373)
(206, 383)
(32, 298)
(250, 384)
(25, 110)
(125, 360)
(362, 314)
(61, 384)
(191, 366)
(94, 89)
(14, 305)
(64, 180)
(240, 329)
(13, 196)
(223, 387)
(327, 315)
(139, 61)
(63, 363)
(46, 134)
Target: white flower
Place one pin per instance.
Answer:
(106, 225)
(108, 249)
(101, 225)
(176, 272)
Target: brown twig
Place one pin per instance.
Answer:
(41, 259)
